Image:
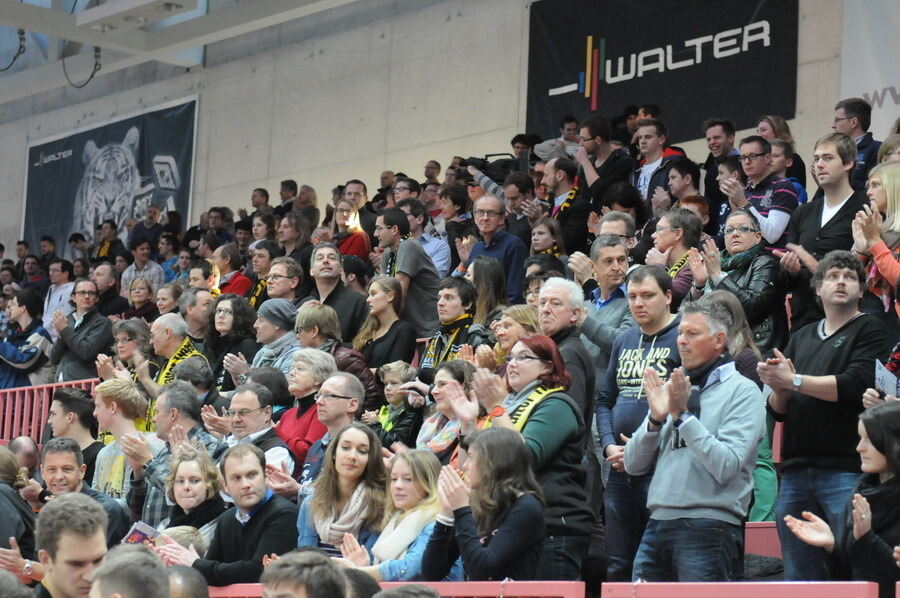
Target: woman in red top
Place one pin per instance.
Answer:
(348, 236)
(300, 427)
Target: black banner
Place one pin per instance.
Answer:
(114, 170)
(695, 59)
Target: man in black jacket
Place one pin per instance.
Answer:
(251, 423)
(259, 524)
(719, 134)
(821, 225)
(601, 164)
(570, 206)
(110, 302)
(852, 117)
(326, 268)
(817, 387)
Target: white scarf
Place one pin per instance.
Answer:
(331, 529)
(398, 534)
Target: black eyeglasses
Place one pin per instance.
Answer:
(751, 157)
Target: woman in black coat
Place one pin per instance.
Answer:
(16, 516)
(864, 552)
(748, 271)
(230, 331)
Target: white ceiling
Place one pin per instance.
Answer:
(169, 41)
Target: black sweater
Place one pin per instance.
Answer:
(513, 548)
(397, 344)
(236, 551)
(804, 229)
(820, 433)
(871, 557)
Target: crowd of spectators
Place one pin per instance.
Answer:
(563, 365)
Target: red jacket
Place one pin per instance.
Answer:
(299, 432)
(357, 244)
(239, 284)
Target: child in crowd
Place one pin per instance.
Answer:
(397, 421)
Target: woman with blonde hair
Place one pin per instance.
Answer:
(140, 298)
(349, 237)
(876, 232)
(348, 496)
(408, 522)
(772, 126)
(16, 516)
(192, 486)
(515, 322)
(384, 337)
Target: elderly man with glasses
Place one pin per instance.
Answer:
(251, 423)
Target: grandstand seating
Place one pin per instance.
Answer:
(476, 589)
(796, 589)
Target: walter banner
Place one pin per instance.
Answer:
(110, 171)
(695, 59)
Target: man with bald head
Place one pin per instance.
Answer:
(169, 340)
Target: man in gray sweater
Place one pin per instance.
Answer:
(702, 433)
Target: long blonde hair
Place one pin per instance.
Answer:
(779, 126)
(327, 491)
(14, 475)
(387, 284)
(889, 173)
(352, 221)
(425, 468)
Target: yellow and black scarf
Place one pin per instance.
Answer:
(675, 268)
(257, 292)
(392, 258)
(566, 204)
(445, 345)
(519, 416)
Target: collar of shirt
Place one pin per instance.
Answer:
(244, 518)
(499, 235)
(723, 371)
(559, 199)
(248, 439)
(225, 278)
(600, 303)
(763, 183)
(857, 140)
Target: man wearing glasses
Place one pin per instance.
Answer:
(59, 294)
(251, 423)
(769, 198)
(497, 243)
(337, 401)
(83, 335)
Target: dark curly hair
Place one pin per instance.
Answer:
(241, 326)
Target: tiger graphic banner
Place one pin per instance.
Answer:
(694, 58)
(110, 171)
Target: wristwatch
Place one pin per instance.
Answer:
(28, 568)
(797, 381)
(682, 417)
(498, 411)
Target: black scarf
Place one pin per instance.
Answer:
(203, 514)
(699, 376)
(883, 499)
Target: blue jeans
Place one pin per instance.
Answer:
(625, 501)
(690, 550)
(824, 492)
(561, 558)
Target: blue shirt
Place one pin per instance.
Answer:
(600, 303)
(439, 252)
(510, 251)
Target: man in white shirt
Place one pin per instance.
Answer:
(61, 287)
(143, 267)
(251, 422)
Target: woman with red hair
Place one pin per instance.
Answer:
(533, 401)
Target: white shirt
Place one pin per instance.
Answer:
(647, 171)
(828, 212)
(274, 456)
(57, 300)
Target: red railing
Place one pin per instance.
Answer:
(23, 411)
(764, 589)
(472, 589)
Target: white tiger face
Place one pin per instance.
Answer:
(109, 184)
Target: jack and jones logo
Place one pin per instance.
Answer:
(47, 158)
(689, 53)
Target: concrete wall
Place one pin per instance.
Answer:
(380, 85)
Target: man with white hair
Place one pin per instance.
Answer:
(169, 339)
(560, 305)
(704, 459)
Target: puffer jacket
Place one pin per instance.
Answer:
(757, 287)
(353, 362)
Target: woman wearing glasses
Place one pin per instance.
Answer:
(750, 273)
(348, 496)
(230, 330)
(140, 297)
(348, 236)
(552, 427)
(83, 335)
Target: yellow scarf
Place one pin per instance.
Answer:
(520, 414)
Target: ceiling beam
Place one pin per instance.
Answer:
(160, 45)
